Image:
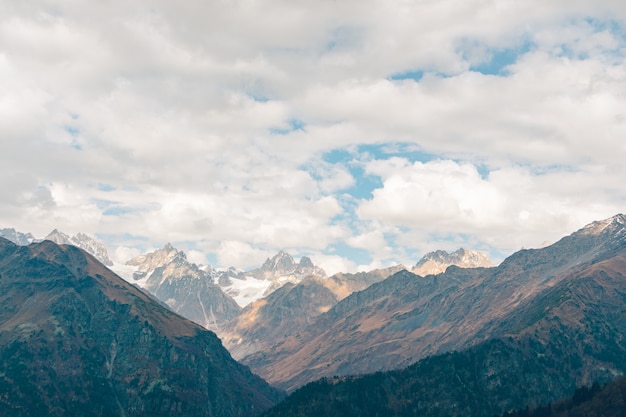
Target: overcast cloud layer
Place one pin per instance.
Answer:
(360, 133)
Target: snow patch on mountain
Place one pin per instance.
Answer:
(83, 241)
(438, 261)
(16, 237)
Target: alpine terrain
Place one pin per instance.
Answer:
(520, 335)
(291, 308)
(185, 287)
(566, 298)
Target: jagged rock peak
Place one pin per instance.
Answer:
(83, 241)
(280, 262)
(158, 257)
(615, 224)
(438, 261)
(16, 237)
(306, 262)
(58, 237)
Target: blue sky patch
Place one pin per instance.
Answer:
(501, 59)
(354, 160)
(356, 255)
(294, 125)
(415, 75)
(118, 211)
(105, 187)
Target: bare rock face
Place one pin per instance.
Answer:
(280, 315)
(16, 237)
(404, 318)
(76, 339)
(438, 261)
(184, 287)
(83, 241)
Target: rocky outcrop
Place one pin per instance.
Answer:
(83, 241)
(16, 237)
(438, 261)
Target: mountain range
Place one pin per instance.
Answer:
(76, 339)
(398, 321)
(519, 335)
(436, 339)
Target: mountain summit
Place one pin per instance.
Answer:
(246, 287)
(185, 287)
(83, 241)
(438, 261)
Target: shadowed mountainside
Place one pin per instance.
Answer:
(573, 335)
(75, 339)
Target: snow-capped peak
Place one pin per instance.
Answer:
(613, 224)
(16, 237)
(437, 261)
(83, 241)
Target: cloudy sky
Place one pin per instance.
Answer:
(360, 133)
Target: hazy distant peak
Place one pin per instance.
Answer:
(16, 237)
(83, 241)
(58, 237)
(282, 261)
(306, 262)
(438, 261)
(146, 264)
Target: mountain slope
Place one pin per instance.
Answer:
(488, 379)
(75, 339)
(607, 401)
(404, 318)
(281, 314)
(573, 334)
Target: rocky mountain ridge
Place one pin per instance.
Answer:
(83, 241)
(16, 237)
(438, 261)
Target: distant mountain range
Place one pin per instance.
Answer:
(76, 339)
(438, 261)
(213, 298)
(405, 318)
(81, 240)
(522, 334)
(16, 237)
